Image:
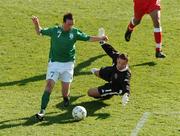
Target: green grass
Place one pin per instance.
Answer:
(23, 55)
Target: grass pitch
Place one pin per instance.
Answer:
(155, 83)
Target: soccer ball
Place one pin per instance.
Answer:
(79, 113)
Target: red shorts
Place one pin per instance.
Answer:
(142, 7)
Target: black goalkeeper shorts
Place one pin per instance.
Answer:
(106, 90)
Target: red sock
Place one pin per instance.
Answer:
(131, 26)
(158, 38)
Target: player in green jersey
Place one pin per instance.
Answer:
(61, 56)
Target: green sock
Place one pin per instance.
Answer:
(45, 100)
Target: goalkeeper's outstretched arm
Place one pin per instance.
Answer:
(110, 50)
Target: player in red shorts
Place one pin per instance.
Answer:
(151, 7)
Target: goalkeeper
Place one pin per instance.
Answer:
(117, 76)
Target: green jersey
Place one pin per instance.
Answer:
(63, 43)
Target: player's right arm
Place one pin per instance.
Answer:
(36, 23)
(39, 29)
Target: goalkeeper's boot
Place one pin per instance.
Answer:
(160, 54)
(66, 101)
(127, 35)
(40, 115)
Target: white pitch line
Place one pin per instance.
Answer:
(140, 124)
(144, 118)
(167, 113)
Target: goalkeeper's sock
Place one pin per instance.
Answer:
(45, 100)
(158, 38)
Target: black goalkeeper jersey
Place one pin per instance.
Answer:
(119, 80)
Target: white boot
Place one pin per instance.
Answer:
(93, 70)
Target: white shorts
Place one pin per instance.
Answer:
(60, 71)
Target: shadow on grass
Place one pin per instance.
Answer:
(24, 81)
(80, 66)
(66, 117)
(151, 64)
(29, 121)
(62, 118)
(77, 72)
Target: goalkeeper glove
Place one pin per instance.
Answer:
(125, 99)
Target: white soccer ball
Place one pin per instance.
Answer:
(79, 113)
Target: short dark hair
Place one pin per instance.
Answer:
(67, 16)
(123, 56)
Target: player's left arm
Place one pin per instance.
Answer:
(126, 88)
(84, 37)
(126, 83)
(98, 38)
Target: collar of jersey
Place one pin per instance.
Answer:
(61, 28)
(126, 68)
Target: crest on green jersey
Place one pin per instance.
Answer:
(71, 36)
